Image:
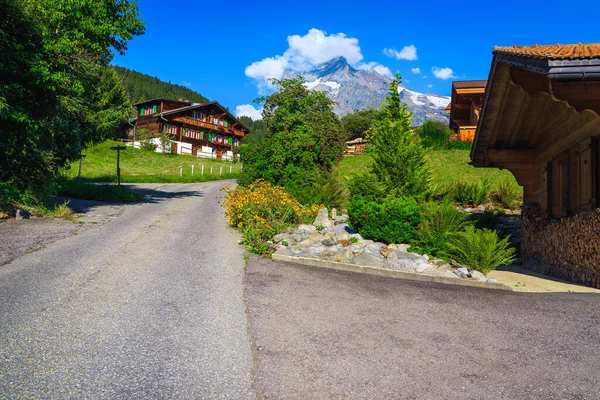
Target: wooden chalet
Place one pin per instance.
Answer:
(199, 129)
(541, 120)
(465, 107)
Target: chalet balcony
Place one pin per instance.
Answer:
(208, 125)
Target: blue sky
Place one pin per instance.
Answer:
(209, 48)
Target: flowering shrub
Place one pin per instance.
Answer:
(260, 211)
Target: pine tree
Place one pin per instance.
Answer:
(400, 163)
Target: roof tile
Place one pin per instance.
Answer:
(553, 52)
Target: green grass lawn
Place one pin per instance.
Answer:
(139, 166)
(447, 166)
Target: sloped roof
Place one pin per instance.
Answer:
(211, 103)
(470, 84)
(552, 52)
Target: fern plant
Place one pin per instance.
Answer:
(509, 194)
(439, 223)
(481, 250)
(471, 193)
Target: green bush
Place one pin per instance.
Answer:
(333, 193)
(366, 186)
(394, 220)
(471, 193)
(439, 223)
(481, 250)
(508, 194)
(486, 220)
(435, 134)
(459, 145)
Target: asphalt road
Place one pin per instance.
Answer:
(147, 302)
(322, 334)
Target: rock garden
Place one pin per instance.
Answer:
(330, 238)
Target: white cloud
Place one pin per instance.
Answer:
(187, 84)
(382, 69)
(443, 73)
(316, 47)
(407, 53)
(261, 71)
(249, 111)
(430, 86)
(424, 76)
(416, 70)
(305, 52)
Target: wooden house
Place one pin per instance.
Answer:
(207, 129)
(355, 147)
(540, 120)
(465, 108)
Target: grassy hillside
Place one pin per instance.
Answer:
(142, 87)
(99, 165)
(447, 166)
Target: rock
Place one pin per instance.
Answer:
(420, 268)
(368, 260)
(357, 236)
(22, 214)
(332, 250)
(315, 251)
(342, 228)
(315, 236)
(492, 280)
(323, 219)
(478, 276)
(283, 237)
(391, 246)
(403, 247)
(344, 242)
(425, 256)
(340, 219)
(439, 263)
(306, 243)
(333, 213)
(363, 242)
(391, 254)
(341, 258)
(308, 228)
(373, 248)
(462, 272)
(328, 242)
(284, 251)
(449, 274)
(343, 236)
(401, 264)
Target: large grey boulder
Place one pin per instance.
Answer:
(315, 251)
(22, 214)
(368, 260)
(478, 276)
(323, 219)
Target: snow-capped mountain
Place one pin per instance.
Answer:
(354, 89)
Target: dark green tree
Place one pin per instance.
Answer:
(57, 94)
(303, 141)
(435, 134)
(358, 123)
(257, 129)
(400, 163)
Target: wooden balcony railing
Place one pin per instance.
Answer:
(208, 125)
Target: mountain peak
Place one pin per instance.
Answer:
(332, 66)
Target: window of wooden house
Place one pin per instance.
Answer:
(194, 115)
(221, 121)
(569, 185)
(201, 135)
(141, 111)
(154, 109)
(201, 116)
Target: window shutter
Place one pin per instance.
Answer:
(586, 181)
(141, 111)
(225, 124)
(544, 190)
(202, 135)
(154, 109)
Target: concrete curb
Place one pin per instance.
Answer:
(313, 262)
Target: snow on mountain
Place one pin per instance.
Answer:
(354, 89)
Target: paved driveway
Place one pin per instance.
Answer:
(146, 302)
(321, 334)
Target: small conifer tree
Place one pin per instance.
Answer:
(400, 163)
